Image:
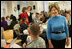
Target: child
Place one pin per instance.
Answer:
(36, 41)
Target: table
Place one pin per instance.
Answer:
(43, 27)
(15, 46)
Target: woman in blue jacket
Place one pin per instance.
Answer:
(57, 29)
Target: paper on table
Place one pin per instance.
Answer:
(44, 26)
(13, 41)
(15, 46)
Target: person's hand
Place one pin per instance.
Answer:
(24, 45)
(67, 43)
(51, 46)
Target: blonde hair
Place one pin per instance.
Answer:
(54, 5)
(24, 8)
(29, 7)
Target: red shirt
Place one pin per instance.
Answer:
(25, 15)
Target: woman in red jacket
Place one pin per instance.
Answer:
(24, 14)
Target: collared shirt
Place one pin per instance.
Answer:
(37, 43)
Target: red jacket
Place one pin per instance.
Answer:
(24, 15)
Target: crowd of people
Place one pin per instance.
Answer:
(56, 20)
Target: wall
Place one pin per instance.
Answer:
(3, 9)
(7, 7)
(14, 6)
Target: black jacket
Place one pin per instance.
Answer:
(23, 27)
(30, 18)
